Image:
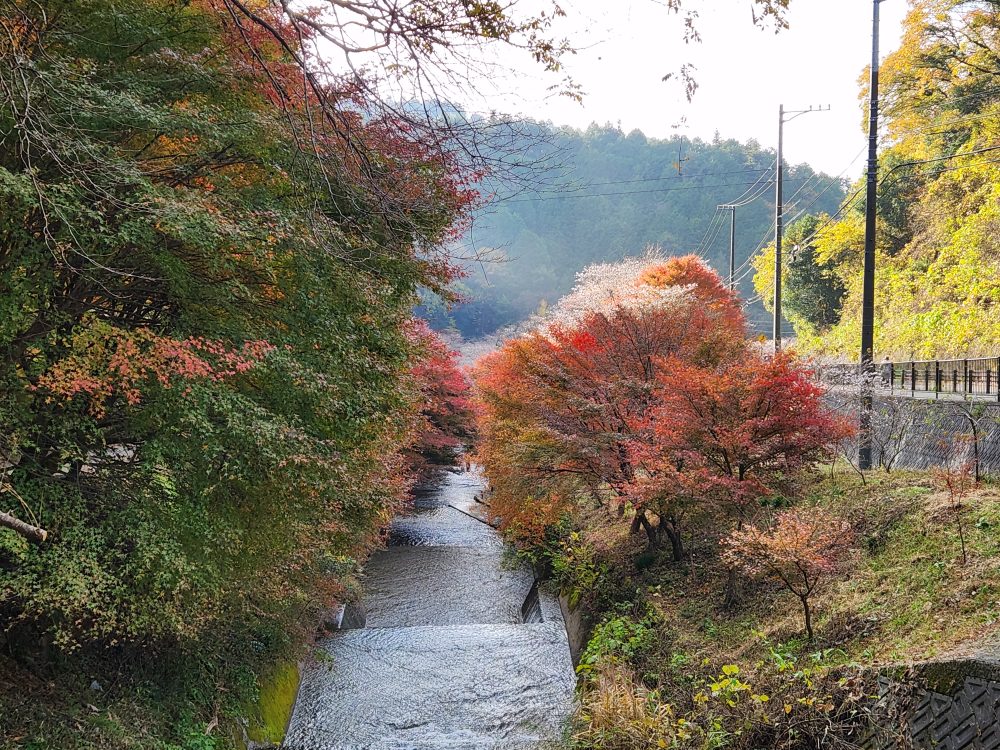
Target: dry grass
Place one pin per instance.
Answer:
(618, 713)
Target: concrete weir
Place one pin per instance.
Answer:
(459, 649)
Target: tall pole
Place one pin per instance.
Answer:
(868, 280)
(732, 248)
(776, 332)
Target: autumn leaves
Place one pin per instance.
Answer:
(640, 398)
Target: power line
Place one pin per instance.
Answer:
(630, 192)
(736, 202)
(836, 180)
(711, 226)
(860, 190)
(935, 128)
(974, 95)
(979, 163)
(718, 231)
(569, 188)
(751, 198)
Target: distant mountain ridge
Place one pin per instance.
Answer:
(613, 195)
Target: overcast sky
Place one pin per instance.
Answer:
(744, 74)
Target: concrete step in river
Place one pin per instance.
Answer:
(459, 651)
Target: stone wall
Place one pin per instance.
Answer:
(951, 703)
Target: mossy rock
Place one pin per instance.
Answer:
(269, 718)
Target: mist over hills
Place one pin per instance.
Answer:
(608, 194)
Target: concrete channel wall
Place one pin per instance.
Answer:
(952, 703)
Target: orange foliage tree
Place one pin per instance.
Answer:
(732, 433)
(803, 550)
(558, 405)
(640, 395)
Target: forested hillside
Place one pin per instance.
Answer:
(938, 240)
(609, 194)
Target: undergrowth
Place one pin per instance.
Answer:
(670, 666)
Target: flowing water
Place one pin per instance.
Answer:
(459, 651)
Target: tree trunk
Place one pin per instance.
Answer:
(808, 614)
(31, 533)
(673, 532)
(732, 589)
(975, 446)
(652, 537)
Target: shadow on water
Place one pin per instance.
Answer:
(458, 651)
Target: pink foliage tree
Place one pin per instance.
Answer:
(804, 549)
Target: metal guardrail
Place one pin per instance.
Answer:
(973, 378)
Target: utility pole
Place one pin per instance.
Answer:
(778, 210)
(778, 207)
(732, 248)
(731, 207)
(868, 279)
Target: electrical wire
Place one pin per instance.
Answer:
(885, 177)
(716, 217)
(629, 192)
(737, 202)
(571, 188)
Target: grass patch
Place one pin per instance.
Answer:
(907, 597)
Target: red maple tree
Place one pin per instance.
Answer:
(445, 416)
(559, 404)
(803, 550)
(737, 432)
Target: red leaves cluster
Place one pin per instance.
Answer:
(106, 362)
(646, 406)
(800, 549)
(803, 549)
(445, 417)
(739, 430)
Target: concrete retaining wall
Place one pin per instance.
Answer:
(578, 628)
(947, 704)
(926, 434)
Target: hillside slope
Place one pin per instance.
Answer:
(610, 194)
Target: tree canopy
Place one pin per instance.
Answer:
(213, 393)
(938, 260)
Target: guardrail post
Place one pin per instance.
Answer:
(998, 378)
(965, 377)
(913, 379)
(892, 378)
(937, 378)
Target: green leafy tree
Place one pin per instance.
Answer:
(938, 258)
(813, 291)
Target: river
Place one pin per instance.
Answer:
(457, 651)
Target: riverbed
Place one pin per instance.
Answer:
(458, 649)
